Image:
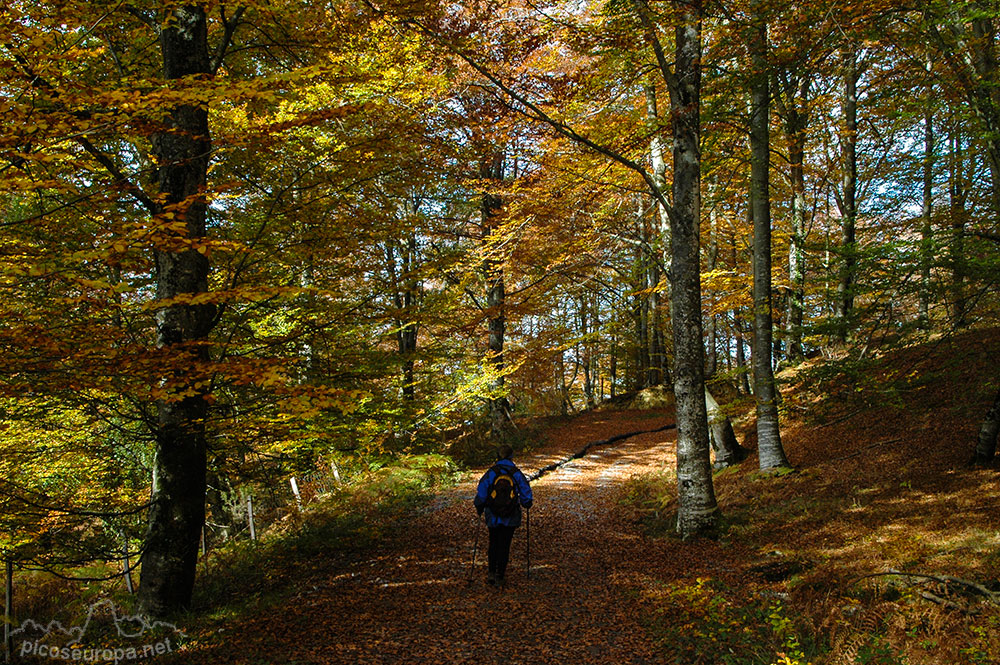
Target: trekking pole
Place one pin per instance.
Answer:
(527, 524)
(475, 546)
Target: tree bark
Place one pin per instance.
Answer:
(405, 294)
(986, 96)
(711, 338)
(586, 359)
(848, 197)
(640, 305)
(796, 113)
(727, 449)
(177, 510)
(496, 299)
(986, 446)
(565, 404)
(957, 197)
(926, 217)
(660, 244)
(697, 508)
(769, 448)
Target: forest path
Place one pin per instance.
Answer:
(416, 599)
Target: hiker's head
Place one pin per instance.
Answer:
(504, 452)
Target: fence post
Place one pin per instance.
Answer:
(295, 491)
(128, 566)
(253, 532)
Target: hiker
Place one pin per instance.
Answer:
(502, 491)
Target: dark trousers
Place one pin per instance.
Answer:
(499, 552)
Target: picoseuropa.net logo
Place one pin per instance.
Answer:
(132, 638)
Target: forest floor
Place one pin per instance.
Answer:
(417, 598)
(801, 571)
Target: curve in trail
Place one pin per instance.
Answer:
(594, 444)
(416, 599)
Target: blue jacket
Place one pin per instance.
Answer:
(521, 486)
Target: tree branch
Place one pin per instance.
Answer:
(229, 29)
(531, 110)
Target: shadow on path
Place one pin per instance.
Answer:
(416, 599)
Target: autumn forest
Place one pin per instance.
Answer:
(255, 254)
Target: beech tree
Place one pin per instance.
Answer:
(181, 149)
(770, 451)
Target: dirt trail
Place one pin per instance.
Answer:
(413, 601)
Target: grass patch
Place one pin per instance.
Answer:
(244, 575)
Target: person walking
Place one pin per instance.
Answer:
(502, 491)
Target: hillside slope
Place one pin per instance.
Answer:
(801, 571)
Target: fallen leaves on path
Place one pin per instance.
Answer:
(416, 598)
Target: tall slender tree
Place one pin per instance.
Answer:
(770, 451)
(847, 193)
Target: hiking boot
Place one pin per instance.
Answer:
(491, 578)
(501, 581)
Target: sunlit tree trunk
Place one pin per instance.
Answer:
(711, 338)
(586, 353)
(697, 508)
(926, 217)
(177, 510)
(847, 199)
(660, 243)
(727, 449)
(769, 448)
(794, 107)
(640, 305)
(986, 446)
(565, 404)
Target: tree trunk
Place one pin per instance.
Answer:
(796, 123)
(656, 373)
(660, 245)
(985, 94)
(986, 446)
(405, 294)
(769, 448)
(848, 198)
(697, 508)
(177, 510)
(957, 196)
(741, 355)
(926, 218)
(613, 368)
(727, 449)
(496, 298)
(565, 404)
(711, 339)
(640, 304)
(586, 359)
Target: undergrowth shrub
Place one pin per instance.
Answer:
(350, 518)
(706, 622)
(653, 496)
